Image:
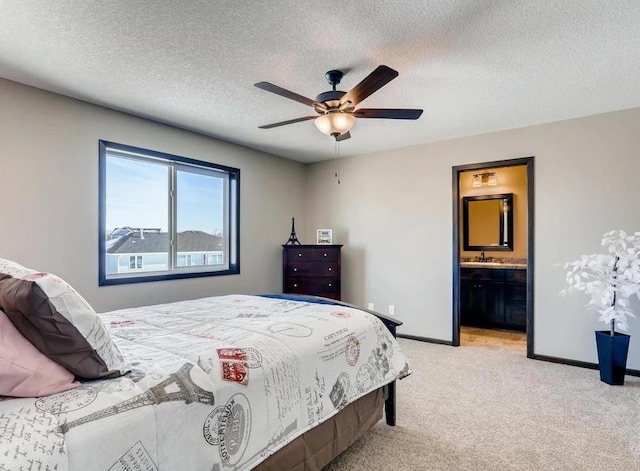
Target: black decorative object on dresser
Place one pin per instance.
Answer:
(493, 297)
(311, 269)
(293, 238)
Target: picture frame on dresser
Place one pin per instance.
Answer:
(324, 236)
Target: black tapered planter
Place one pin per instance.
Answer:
(612, 356)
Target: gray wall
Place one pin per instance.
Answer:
(393, 212)
(49, 184)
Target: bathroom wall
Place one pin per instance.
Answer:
(510, 180)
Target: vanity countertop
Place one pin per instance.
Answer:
(505, 265)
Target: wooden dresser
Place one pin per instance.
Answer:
(311, 269)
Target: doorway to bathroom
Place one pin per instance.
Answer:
(493, 254)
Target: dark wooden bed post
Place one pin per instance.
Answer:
(390, 401)
(390, 404)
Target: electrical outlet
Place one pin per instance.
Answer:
(392, 310)
(370, 306)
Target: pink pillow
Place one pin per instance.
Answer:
(24, 371)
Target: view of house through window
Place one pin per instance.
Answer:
(165, 216)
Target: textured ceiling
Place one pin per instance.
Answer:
(473, 66)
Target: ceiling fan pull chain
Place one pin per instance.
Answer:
(337, 158)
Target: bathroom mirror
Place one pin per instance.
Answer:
(488, 222)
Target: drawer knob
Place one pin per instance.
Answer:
(299, 254)
(295, 285)
(324, 254)
(330, 284)
(295, 269)
(329, 268)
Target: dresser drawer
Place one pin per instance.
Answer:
(300, 254)
(312, 285)
(329, 254)
(319, 269)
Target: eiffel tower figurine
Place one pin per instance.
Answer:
(293, 238)
(164, 391)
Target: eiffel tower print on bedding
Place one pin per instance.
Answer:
(215, 383)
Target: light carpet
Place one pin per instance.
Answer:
(489, 408)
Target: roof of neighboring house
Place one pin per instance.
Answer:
(153, 242)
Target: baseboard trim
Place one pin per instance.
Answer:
(580, 364)
(550, 359)
(425, 339)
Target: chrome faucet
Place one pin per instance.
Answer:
(482, 258)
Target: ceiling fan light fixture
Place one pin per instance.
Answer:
(335, 123)
(337, 109)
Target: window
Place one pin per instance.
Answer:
(135, 262)
(163, 216)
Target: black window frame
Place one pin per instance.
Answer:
(233, 216)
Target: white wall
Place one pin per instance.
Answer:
(393, 212)
(49, 187)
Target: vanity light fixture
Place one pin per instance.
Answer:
(481, 179)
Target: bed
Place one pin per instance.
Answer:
(232, 382)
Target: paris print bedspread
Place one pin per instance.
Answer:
(215, 383)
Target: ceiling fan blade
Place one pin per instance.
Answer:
(285, 93)
(371, 84)
(388, 113)
(283, 123)
(343, 137)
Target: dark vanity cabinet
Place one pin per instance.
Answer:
(493, 297)
(515, 303)
(312, 269)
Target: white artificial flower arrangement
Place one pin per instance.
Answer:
(610, 279)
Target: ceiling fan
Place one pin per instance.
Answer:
(336, 112)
